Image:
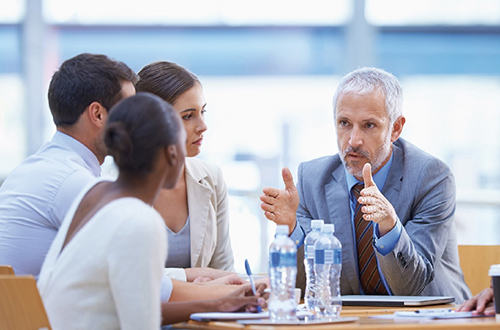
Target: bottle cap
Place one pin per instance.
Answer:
(316, 223)
(494, 270)
(327, 228)
(282, 229)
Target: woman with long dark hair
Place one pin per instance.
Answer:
(195, 211)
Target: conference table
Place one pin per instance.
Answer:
(365, 320)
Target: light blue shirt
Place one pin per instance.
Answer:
(36, 196)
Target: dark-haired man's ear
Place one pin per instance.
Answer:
(97, 114)
(171, 153)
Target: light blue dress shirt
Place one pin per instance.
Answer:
(36, 196)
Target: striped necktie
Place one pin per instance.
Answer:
(367, 261)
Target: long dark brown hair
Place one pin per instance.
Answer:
(165, 79)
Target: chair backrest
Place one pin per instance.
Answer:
(475, 261)
(6, 270)
(21, 307)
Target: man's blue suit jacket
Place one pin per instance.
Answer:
(421, 189)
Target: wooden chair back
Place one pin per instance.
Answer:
(6, 270)
(21, 306)
(475, 261)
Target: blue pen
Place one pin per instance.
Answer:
(252, 283)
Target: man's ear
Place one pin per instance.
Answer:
(171, 154)
(97, 114)
(397, 128)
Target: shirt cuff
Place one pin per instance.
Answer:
(175, 273)
(166, 288)
(386, 244)
(298, 235)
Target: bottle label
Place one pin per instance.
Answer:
(287, 259)
(275, 259)
(337, 256)
(320, 257)
(328, 256)
(310, 251)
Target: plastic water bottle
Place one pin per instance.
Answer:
(327, 267)
(311, 238)
(282, 272)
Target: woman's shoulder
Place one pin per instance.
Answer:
(200, 169)
(135, 216)
(132, 210)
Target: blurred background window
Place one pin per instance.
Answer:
(198, 12)
(12, 111)
(430, 12)
(269, 70)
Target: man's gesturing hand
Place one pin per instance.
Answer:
(279, 205)
(376, 207)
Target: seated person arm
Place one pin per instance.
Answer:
(134, 277)
(409, 267)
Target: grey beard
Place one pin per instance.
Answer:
(380, 156)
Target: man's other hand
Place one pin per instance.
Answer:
(280, 206)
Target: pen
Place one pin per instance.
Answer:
(249, 273)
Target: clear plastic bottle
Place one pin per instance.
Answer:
(327, 267)
(314, 234)
(282, 272)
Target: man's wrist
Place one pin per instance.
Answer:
(292, 226)
(386, 226)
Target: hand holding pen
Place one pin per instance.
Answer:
(252, 283)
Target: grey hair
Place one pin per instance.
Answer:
(367, 80)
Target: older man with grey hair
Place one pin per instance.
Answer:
(391, 203)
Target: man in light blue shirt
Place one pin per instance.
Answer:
(37, 194)
(391, 203)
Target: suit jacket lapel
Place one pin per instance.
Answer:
(394, 180)
(198, 196)
(340, 212)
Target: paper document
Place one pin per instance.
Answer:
(434, 314)
(428, 314)
(238, 316)
(228, 316)
(299, 322)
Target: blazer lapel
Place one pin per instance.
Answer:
(340, 212)
(394, 180)
(198, 207)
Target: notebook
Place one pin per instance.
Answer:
(395, 301)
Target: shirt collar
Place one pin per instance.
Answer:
(88, 156)
(380, 177)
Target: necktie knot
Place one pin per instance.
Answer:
(356, 190)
